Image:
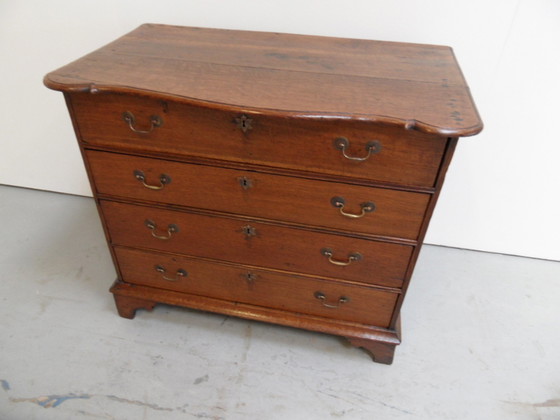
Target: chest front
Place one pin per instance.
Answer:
(233, 176)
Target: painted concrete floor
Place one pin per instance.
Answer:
(481, 340)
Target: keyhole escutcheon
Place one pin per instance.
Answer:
(249, 231)
(245, 182)
(244, 123)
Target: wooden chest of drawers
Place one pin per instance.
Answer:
(281, 178)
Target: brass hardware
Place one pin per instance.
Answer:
(366, 207)
(323, 298)
(163, 180)
(372, 147)
(250, 277)
(171, 229)
(178, 274)
(245, 182)
(244, 123)
(354, 256)
(130, 119)
(249, 231)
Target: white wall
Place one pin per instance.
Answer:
(503, 189)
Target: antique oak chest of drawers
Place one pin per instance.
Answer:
(280, 178)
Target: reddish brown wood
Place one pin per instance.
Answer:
(315, 54)
(379, 351)
(270, 246)
(410, 86)
(245, 124)
(410, 158)
(258, 313)
(127, 306)
(397, 213)
(294, 293)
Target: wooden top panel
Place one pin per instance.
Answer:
(416, 86)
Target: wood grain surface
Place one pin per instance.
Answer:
(258, 287)
(396, 213)
(408, 158)
(282, 248)
(245, 130)
(414, 86)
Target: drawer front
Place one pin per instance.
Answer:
(259, 244)
(326, 204)
(305, 295)
(403, 157)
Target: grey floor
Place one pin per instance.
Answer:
(481, 340)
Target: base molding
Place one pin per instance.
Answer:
(380, 343)
(380, 352)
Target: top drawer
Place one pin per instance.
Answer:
(339, 147)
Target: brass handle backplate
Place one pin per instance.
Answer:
(180, 273)
(372, 147)
(130, 119)
(323, 298)
(352, 257)
(171, 229)
(163, 180)
(366, 207)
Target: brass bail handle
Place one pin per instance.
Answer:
(130, 119)
(323, 298)
(163, 180)
(180, 273)
(352, 257)
(372, 147)
(366, 207)
(171, 229)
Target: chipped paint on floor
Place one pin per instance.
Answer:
(51, 401)
(5, 384)
(139, 403)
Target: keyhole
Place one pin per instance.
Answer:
(245, 182)
(249, 231)
(250, 278)
(244, 123)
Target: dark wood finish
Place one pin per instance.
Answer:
(251, 285)
(397, 213)
(132, 294)
(407, 85)
(406, 158)
(127, 306)
(271, 246)
(379, 351)
(245, 125)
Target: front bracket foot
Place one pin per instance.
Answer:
(127, 306)
(379, 351)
